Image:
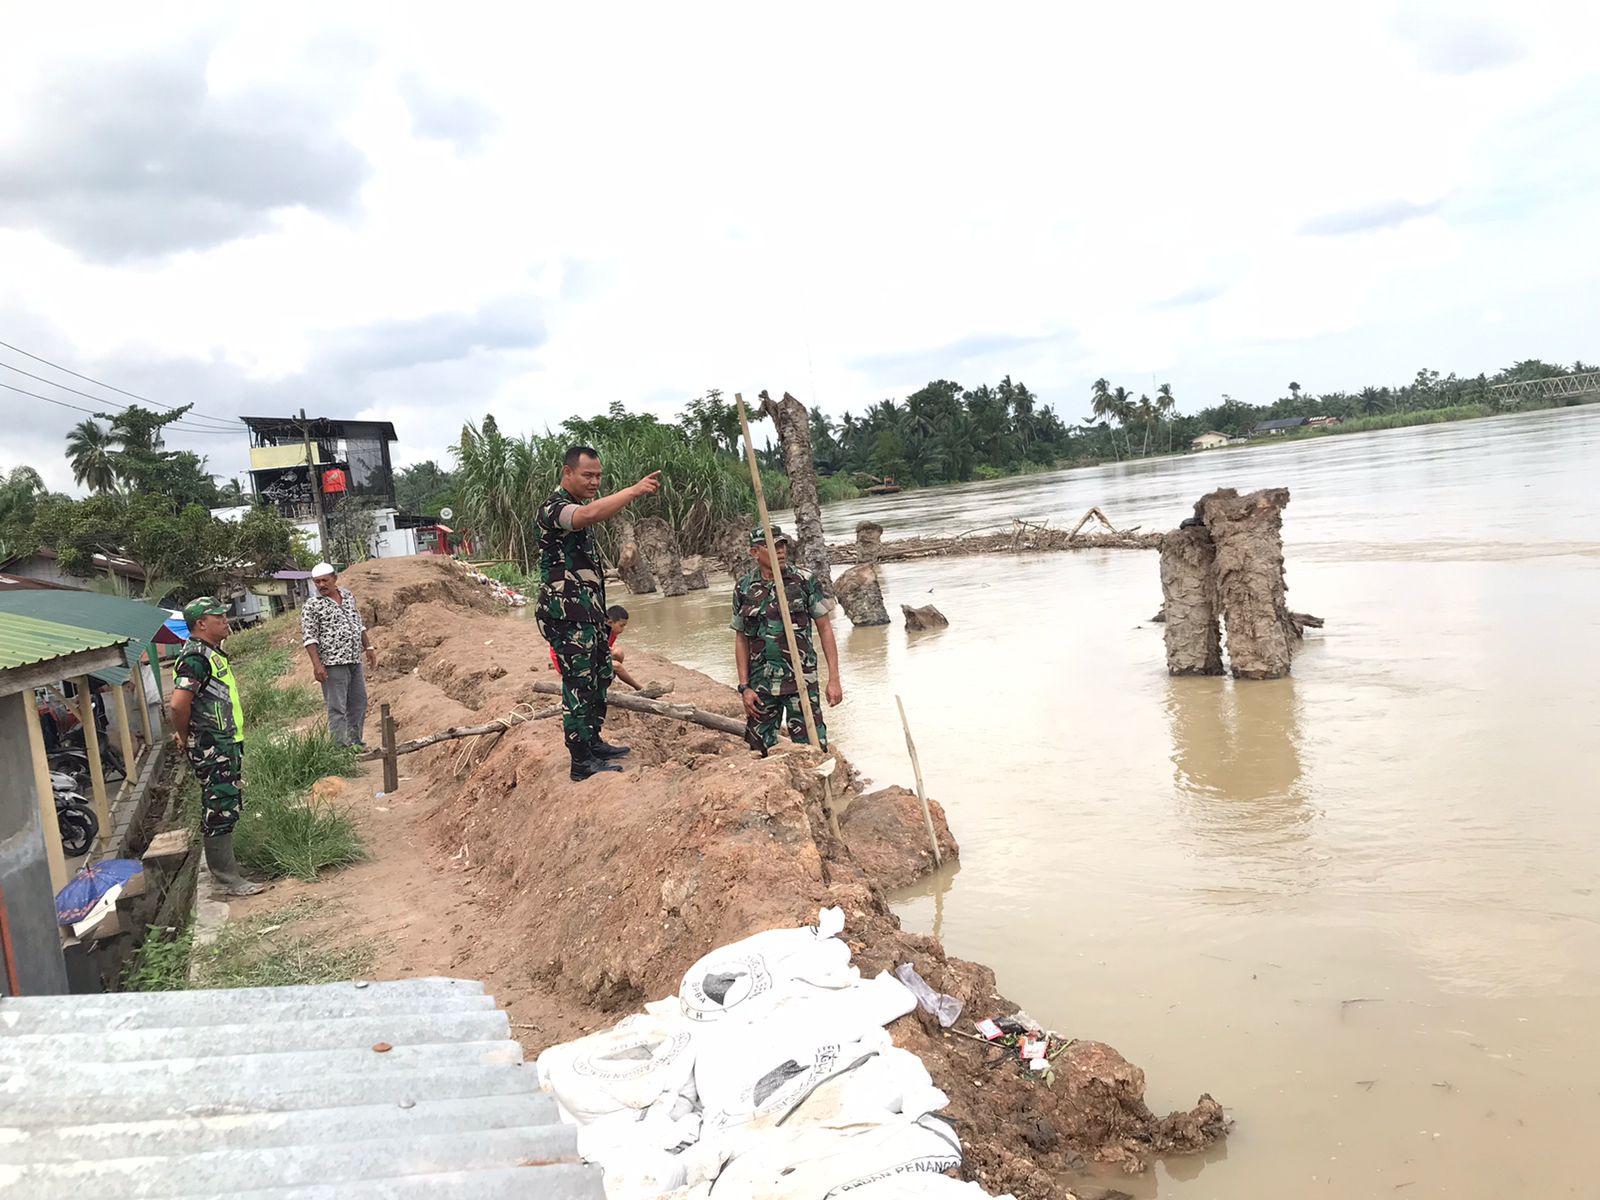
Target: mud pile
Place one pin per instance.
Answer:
(600, 895)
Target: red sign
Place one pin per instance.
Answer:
(333, 480)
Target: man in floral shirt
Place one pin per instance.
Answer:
(335, 637)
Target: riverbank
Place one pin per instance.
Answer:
(575, 904)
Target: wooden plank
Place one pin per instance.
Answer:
(173, 843)
(143, 698)
(91, 746)
(47, 797)
(130, 764)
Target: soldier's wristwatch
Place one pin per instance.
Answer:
(743, 688)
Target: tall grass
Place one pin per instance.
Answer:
(272, 949)
(503, 480)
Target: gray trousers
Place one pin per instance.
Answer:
(345, 693)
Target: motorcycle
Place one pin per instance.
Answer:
(75, 816)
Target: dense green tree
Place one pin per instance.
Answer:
(424, 488)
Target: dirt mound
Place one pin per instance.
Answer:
(386, 587)
(593, 898)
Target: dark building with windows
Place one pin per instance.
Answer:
(349, 459)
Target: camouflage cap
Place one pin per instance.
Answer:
(204, 606)
(758, 536)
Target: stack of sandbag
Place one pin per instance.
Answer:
(769, 1076)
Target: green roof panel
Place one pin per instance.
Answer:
(130, 620)
(26, 641)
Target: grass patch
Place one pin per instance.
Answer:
(162, 963)
(283, 830)
(267, 951)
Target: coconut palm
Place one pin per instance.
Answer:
(1164, 406)
(91, 451)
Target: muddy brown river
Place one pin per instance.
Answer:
(1361, 905)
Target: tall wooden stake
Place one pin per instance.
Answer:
(391, 769)
(916, 769)
(795, 661)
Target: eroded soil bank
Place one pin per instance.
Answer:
(576, 903)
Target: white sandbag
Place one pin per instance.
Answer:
(629, 1066)
(744, 978)
(757, 1077)
(920, 1187)
(819, 1161)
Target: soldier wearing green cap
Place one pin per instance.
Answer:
(766, 677)
(208, 725)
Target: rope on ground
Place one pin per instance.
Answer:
(469, 758)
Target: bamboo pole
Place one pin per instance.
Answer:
(916, 769)
(802, 688)
(47, 796)
(130, 772)
(91, 747)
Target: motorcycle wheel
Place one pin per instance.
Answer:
(79, 827)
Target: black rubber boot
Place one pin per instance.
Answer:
(600, 748)
(225, 868)
(585, 764)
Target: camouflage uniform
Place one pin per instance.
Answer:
(757, 616)
(216, 733)
(571, 611)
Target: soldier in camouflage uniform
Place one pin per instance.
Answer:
(571, 607)
(208, 725)
(766, 677)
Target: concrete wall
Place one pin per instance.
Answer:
(24, 871)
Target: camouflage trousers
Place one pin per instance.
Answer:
(585, 662)
(219, 766)
(761, 731)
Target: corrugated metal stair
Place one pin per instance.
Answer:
(278, 1092)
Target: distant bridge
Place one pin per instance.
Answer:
(1554, 387)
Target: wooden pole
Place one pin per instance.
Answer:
(47, 795)
(802, 688)
(130, 770)
(316, 491)
(916, 769)
(391, 769)
(143, 698)
(91, 747)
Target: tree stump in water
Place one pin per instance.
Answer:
(659, 545)
(794, 437)
(694, 574)
(631, 563)
(869, 536)
(1247, 533)
(860, 595)
(926, 617)
(1189, 607)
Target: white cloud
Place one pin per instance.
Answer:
(567, 207)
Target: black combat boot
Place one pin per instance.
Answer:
(600, 748)
(585, 764)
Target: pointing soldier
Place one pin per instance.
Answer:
(766, 677)
(571, 606)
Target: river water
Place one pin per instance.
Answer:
(1360, 905)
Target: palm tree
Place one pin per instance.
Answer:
(1164, 406)
(91, 450)
(20, 489)
(1294, 391)
(1124, 409)
(1104, 407)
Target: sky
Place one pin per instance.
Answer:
(423, 215)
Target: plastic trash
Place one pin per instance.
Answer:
(942, 1006)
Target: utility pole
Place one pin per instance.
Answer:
(316, 490)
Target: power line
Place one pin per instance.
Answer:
(93, 413)
(96, 382)
(179, 424)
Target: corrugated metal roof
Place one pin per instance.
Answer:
(25, 641)
(130, 619)
(277, 1092)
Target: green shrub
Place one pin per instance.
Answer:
(162, 963)
(287, 764)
